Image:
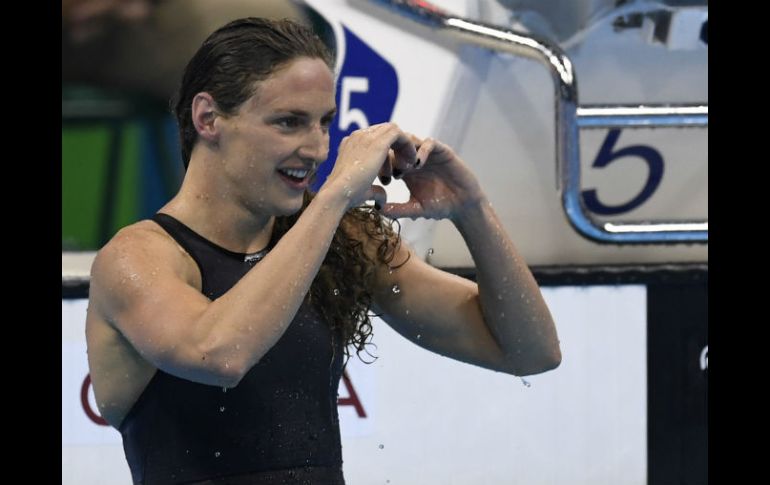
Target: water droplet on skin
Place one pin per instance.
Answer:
(237, 346)
(336, 292)
(396, 290)
(525, 382)
(216, 454)
(227, 365)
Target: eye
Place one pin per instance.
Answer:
(288, 122)
(326, 122)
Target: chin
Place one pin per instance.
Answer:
(290, 208)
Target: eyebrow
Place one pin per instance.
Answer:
(305, 114)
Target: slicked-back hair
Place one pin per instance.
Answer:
(233, 59)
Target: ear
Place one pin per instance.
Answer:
(204, 113)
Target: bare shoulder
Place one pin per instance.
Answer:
(135, 274)
(138, 253)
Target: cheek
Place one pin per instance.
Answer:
(275, 148)
(264, 159)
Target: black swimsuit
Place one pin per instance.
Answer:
(279, 425)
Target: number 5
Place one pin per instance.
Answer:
(606, 156)
(349, 116)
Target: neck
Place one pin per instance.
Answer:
(204, 205)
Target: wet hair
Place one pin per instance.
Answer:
(341, 290)
(233, 59)
(228, 66)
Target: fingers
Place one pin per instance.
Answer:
(374, 132)
(378, 195)
(404, 153)
(424, 151)
(400, 146)
(386, 171)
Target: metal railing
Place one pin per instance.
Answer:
(569, 119)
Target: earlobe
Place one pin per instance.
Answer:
(204, 113)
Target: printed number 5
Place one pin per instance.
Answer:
(349, 116)
(606, 156)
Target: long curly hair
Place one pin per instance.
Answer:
(229, 65)
(342, 289)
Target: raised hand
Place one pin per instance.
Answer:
(360, 158)
(439, 182)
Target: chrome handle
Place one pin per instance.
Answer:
(569, 119)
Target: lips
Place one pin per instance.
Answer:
(295, 173)
(296, 178)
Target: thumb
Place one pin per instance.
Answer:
(411, 208)
(378, 195)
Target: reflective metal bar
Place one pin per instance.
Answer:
(569, 118)
(683, 116)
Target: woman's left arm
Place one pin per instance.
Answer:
(501, 322)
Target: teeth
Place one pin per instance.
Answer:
(300, 174)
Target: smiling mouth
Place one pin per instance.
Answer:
(295, 174)
(296, 178)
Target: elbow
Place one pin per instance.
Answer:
(544, 362)
(229, 375)
(230, 369)
(222, 368)
(552, 361)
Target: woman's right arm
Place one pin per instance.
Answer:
(140, 281)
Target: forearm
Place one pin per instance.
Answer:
(511, 303)
(238, 328)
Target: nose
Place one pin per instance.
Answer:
(315, 145)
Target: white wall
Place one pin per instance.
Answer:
(431, 420)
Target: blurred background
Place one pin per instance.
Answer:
(593, 149)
